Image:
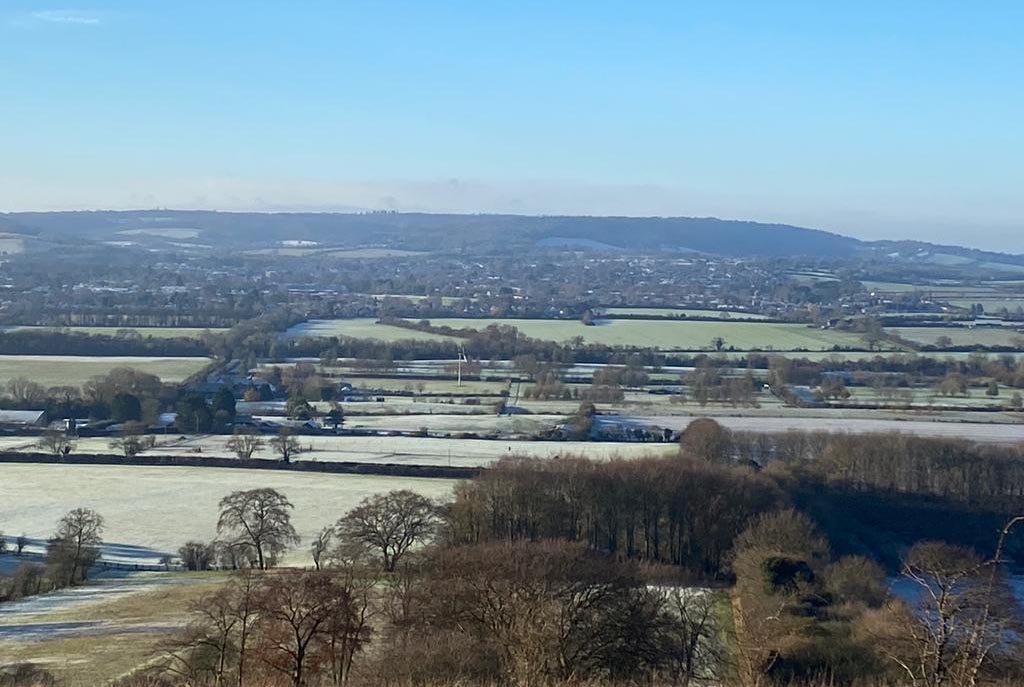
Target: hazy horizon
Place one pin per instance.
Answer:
(870, 120)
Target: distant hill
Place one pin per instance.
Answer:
(467, 233)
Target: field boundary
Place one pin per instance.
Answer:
(331, 467)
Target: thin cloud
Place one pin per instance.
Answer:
(67, 17)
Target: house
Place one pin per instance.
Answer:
(22, 420)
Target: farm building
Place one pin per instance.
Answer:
(17, 420)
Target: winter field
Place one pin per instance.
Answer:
(150, 511)
(663, 334)
(73, 370)
(144, 332)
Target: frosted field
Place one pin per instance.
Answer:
(362, 328)
(401, 450)
(663, 334)
(73, 370)
(160, 508)
(977, 431)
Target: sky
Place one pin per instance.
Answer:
(874, 119)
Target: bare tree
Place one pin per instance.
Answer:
(75, 545)
(24, 390)
(216, 643)
(690, 643)
(285, 444)
(245, 442)
(55, 442)
(130, 441)
(196, 555)
(296, 610)
(389, 524)
(960, 613)
(260, 518)
(321, 545)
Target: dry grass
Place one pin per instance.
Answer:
(128, 632)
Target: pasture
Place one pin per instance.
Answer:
(157, 509)
(664, 334)
(72, 370)
(405, 450)
(683, 312)
(362, 328)
(179, 233)
(90, 635)
(962, 336)
(144, 332)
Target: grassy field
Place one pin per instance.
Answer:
(90, 635)
(362, 328)
(155, 332)
(684, 312)
(71, 370)
(991, 305)
(179, 233)
(951, 291)
(961, 336)
(339, 253)
(406, 450)
(663, 334)
(166, 506)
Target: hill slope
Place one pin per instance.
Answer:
(466, 233)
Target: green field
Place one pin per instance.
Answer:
(991, 305)
(363, 328)
(961, 336)
(73, 370)
(180, 233)
(684, 312)
(663, 334)
(339, 253)
(951, 290)
(155, 332)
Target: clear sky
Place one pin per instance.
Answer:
(876, 119)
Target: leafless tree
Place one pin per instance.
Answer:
(131, 440)
(389, 524)
(296, 610)
(321, 545)
(245, 442)
(690, 636)
(260, 518)
(960, 613)
(24, 390)
(286, 444)
(55, 442)
(75, 545)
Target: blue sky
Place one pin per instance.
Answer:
(870, 118)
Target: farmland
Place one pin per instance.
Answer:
(682, 313)
(403, 450)
(68, 370)
(362, 328)
(662, 334)
(155, 332)
(962, 336)
(33, 497)
(93, 634)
